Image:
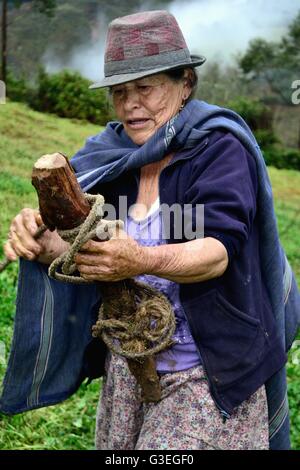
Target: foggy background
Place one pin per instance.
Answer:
(217, 29)
(252, 49)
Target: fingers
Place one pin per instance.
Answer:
(86, 269)
(97, 273)
(93, 267)
(23, 246)
(21, 233)
(105, 246)
(94, 247)
(29, 219)
(88, 259)
(10, 252)
(87, 272)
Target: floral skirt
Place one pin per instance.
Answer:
(186, 418)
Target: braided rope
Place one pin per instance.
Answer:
(127, 323)
(77, 236)
(152, 321)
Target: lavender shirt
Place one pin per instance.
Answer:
(183, 354)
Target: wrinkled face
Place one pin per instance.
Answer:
(144, 105)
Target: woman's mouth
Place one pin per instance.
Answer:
(137, 123)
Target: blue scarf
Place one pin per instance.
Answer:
(108, 154)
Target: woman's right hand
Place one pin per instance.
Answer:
(21, 240)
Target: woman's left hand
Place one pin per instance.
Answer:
(119, 258)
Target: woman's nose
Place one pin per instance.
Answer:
(132, 100)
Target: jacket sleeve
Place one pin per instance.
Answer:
(224, 179)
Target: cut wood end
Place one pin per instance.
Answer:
(50, 161)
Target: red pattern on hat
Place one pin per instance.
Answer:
(143, 34)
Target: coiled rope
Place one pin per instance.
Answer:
(135, 320)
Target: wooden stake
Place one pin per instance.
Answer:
(62, 202)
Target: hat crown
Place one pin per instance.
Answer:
(142, 35)
(144, 44)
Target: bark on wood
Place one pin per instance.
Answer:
(144, 370)
(62, 202)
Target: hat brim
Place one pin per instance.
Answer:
(196, 61)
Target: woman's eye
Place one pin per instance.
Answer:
(144, 88)
(117, 93)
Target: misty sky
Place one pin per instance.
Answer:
(220, 28)
(217, 29)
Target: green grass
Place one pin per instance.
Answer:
(25, 135)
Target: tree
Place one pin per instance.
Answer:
(78, 25)
(275, 64)
(4, 41)
(222, 83)
(45, 7)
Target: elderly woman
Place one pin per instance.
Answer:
(170, 149)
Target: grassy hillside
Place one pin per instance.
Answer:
(24, 136)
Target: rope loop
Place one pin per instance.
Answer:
(137, 321)
(78, 236)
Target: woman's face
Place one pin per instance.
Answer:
(146, 104)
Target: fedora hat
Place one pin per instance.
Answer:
(144, 44)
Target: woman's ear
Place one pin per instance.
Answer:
(188, 80)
